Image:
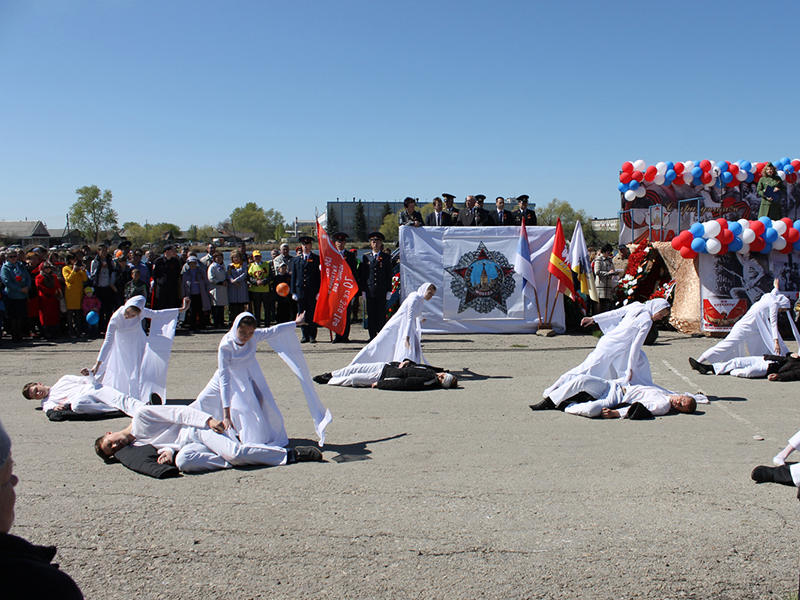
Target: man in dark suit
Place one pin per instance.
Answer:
(501, 217)
(409, 215)
(523, 213)
(304, 286)
(438, 218)
(469, 216)
(375, 280)
(340, 242)
(484, 218)
(450, 208)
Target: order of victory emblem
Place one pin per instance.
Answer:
(482, 280)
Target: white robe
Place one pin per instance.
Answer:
(755, 332)
(133, 362)
(166, 426)
(619, 355)
(358, 375)
(390, 343)
(751, 367)
(84, 395)
(239, 384)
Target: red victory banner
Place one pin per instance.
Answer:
(337, 286)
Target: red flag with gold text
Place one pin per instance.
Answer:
(337, 286)
(559, 263)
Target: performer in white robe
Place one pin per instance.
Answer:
(756, 332)
(238, 393)
(750, 367)
(610, 395)
(618, 355)
(131, 361)
(401, 337)
(82, 394)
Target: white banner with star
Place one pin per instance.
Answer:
(473, 271)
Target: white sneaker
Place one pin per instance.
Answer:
(778, 461)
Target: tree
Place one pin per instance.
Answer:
(387, 210)
(390, 227)
(250, 218)
(274, 219)
(333, 223)
(361, 223)
(92, 212)
(549, 215)
(206, 233)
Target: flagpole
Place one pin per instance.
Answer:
(539, 311)
(546, 302)
(553, 310)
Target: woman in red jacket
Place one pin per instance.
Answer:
(49, 289)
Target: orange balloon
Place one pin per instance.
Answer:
(282, 289)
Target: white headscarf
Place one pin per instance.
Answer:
(656, 306)
(422, 290)
(233, 334)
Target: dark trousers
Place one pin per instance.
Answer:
(260, 299)
(376, 314)
(235, 309)
(196, 317)
(108, 304)
(309, 305)
(345, 337)
(16, 315)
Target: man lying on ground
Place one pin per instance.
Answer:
(773, 367)
(593, 397)
(82, 394)
(404, 376)
(195, 442)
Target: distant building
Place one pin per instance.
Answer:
(605, 224)
(72, 237)
(24, 233)
(346, 214)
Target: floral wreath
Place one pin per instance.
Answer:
(637, 271)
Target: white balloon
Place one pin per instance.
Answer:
(744, 223)
(687, 178)
(780, 243)
(661, 167)
(753, 168)
(748, 236)
(712, 229)
(715, 171)
(640, 165)
(659, 179)
(713, 246)
(782, 175)
(741, 175)
(630, 195)
(640, 191)
(745, 249)
(780, 227)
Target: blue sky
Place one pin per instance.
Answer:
(186, 110)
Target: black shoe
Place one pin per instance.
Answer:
(700, 367)
(307, 454)
(762, 475)
(155, 399)
(545, 404)
(323, 379)
(313, 340)
(305, 340)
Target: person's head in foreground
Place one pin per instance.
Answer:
(447, 380)
(683, 403)
(658, 308)
(429, 292)
(106, 445)
(133, 307)
(8, 481)
(35, 390)
(607, 250)
(244, 327)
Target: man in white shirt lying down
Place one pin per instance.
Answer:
(195, 442)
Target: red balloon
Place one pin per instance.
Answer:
(758, 244)
(678, 180)
(756, 177)
(733, 169)
(706, 177)
(791, 177)
(787, 248)
(723, 249)
(792, 235)
(687, 237)
(723, 224)
(677, 243)
(678, 168)
(650, 173)
(760, 166)
(638, 176)
(757, 227)
(732, 184)
(789, 222)
(796, 164)
(688, 253)
(627, 167)
(725, 237)
(624, 177)
(705, 165)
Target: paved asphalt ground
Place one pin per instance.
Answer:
(442, 494)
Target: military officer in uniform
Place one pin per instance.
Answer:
(167, 280)
(523, 213)
(305, 282)
(450, 208)
(375, 280)
(340, 240)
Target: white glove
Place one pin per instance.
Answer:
(317, 298)
(388, 295)
(294, 297)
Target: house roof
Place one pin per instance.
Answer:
(58, 233)
(23, 229)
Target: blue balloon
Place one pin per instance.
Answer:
(670, 175)
(633, 185)
(767, 222)
(696, 181)
(766, 249)
(696, 172)
(786, 160)
(735, 227)
(719, 183)
(796, 224)
(770, 235)
(92, 318)
(697, 230)
(789, 168)
(747, 165)
(696, 163)
(699, 245)
(722, 166)
(735, 245)
(670, 165)
(726, 177)
(622, 187)
(796, 245)
(750, 177)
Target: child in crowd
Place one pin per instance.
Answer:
(136, 286)
(91, 303)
